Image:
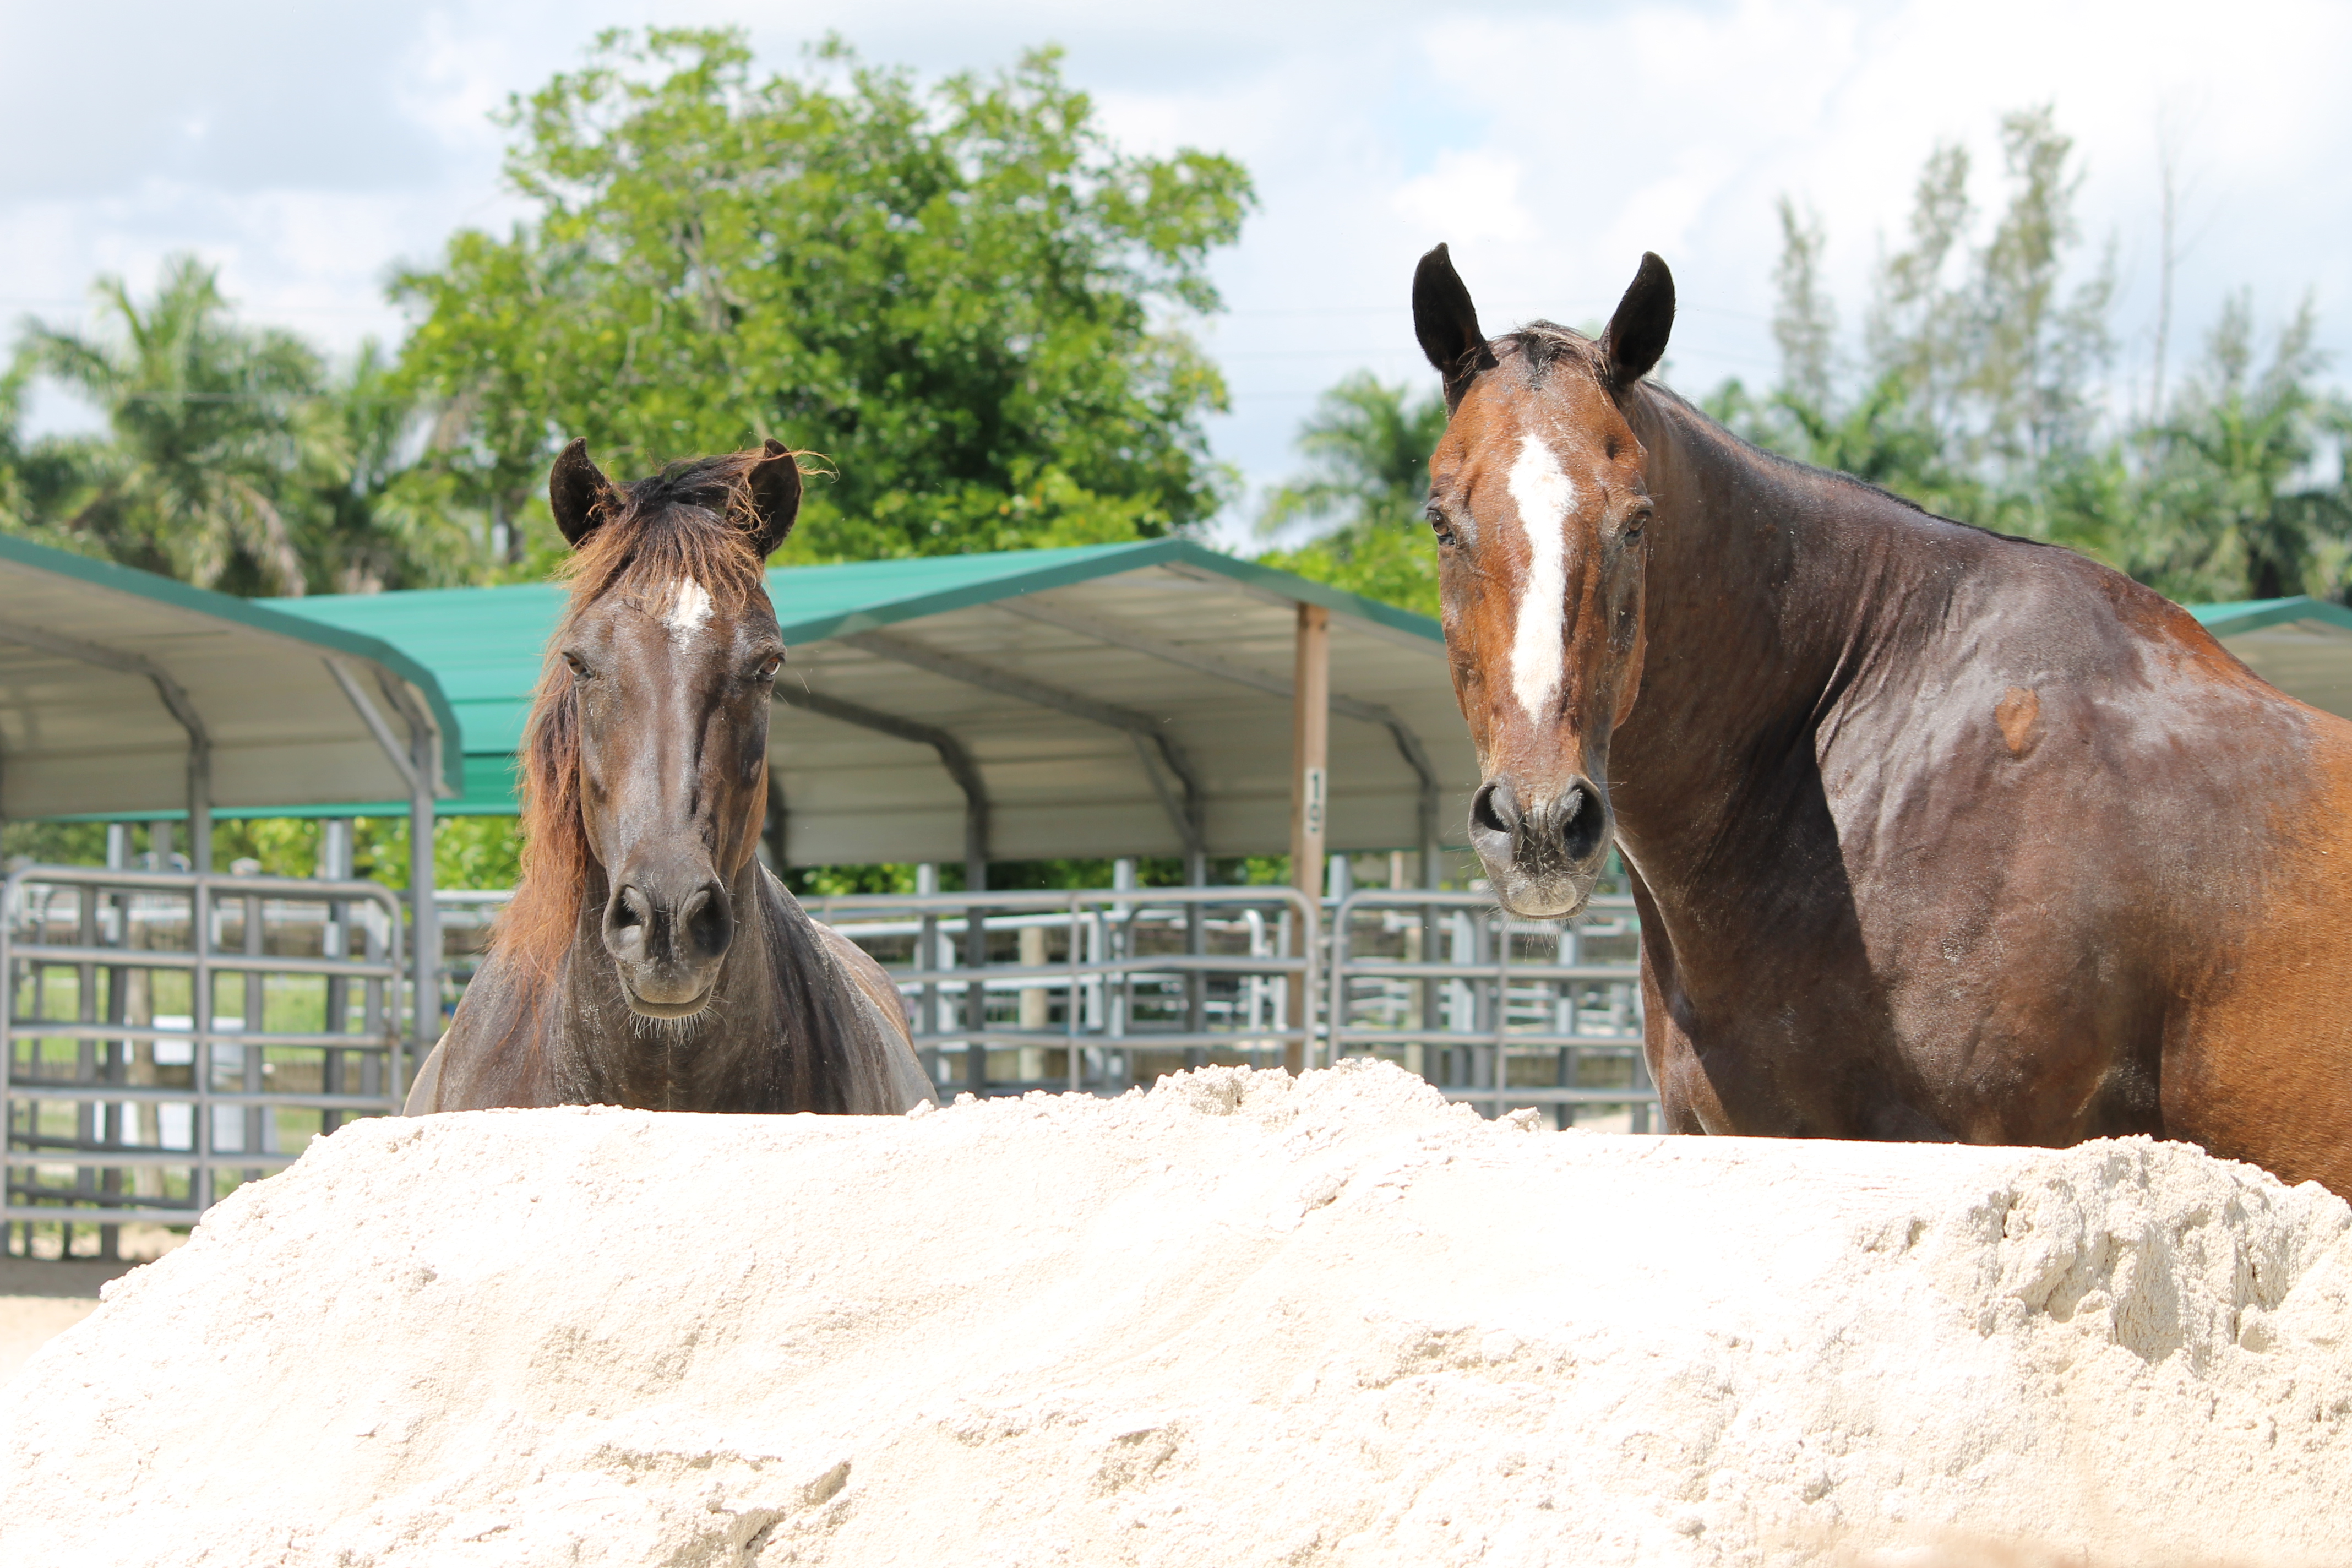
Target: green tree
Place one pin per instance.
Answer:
(1804, 318)
(1986, 346)
(372, 517)
(1367, 448)
(2245, 493)
(205, 428)
(961, 296)
(1978, 392)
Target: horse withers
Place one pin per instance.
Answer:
(648, 959)
(1934, 833)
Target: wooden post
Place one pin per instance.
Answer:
(1310, 745)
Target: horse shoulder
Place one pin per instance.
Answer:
(887, 1078)
(424, 1090)
(492, 1056)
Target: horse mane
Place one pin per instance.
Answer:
(693, 519)
(1542, 345)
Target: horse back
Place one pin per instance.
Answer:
(2142, 886)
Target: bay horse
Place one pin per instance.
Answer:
(649, 960)
(1934, 833)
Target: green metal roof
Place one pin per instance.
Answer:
(2244, 615)
(2302, 646)
(85, 643)
(486, 645)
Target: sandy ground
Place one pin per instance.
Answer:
(40, 1298)
(1244, 1320)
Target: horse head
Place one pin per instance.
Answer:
(1536, 498)
(668, 656)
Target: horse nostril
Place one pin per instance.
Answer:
(1494, 809)
(1582, 825)
(708, 920)
(626, 921)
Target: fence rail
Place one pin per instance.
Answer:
(1494, 1022)
(136, 1091)
(165, 1034)
(1098, 989)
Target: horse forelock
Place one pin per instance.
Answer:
(680, 543)
(1541, 346)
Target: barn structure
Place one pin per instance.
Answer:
(145, 1054)
(1104, 700)
(1153, 698)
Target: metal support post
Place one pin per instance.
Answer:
(425, 1022)
(1310, 745)
(335, 866)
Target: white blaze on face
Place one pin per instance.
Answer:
(1545, 496)
(689, 606)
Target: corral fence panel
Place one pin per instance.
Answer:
(168, 1034)
(1095, 990)
(1501, 1012)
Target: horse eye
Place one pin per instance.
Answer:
(767, 667)
(1438, 525)
(579, 669)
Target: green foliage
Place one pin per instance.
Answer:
(2235, 498)
(467, 851)
(206, 419)
(232, 458)
(949, 294)
(1368, 449)
(1979, 396)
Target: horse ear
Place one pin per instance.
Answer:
(576, 489)
(1447, 322)
(1636, 335)
(775, 486)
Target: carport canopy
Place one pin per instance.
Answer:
(1095, 701)
(123, 693)
(2302, 646)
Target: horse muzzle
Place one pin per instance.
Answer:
(667, 937)
(1542, 854)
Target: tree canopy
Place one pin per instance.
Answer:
(963, 298)
(233, 457)
(1367, 447)
(1983, 387)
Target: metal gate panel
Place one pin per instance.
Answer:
(131, 1089)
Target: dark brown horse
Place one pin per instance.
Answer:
(648, 959)
(1934, 833)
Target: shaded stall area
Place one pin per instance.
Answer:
(1120, 702)
(171, 1029)
(1162, 699)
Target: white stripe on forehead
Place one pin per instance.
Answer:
(689, 606)
(1544, 495)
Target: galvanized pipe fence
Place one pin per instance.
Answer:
(1498, 1012)
(167, 1035)
(170, 1034)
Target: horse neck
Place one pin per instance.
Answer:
(1766, 586)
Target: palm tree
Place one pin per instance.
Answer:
(377, 518)
(1367, 446)
(208, 424)
(2239, 501)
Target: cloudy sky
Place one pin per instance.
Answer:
(307, 149)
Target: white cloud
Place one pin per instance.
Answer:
(1551, 146)
(1469, 198)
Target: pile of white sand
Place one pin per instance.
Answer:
(1242, 1320)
